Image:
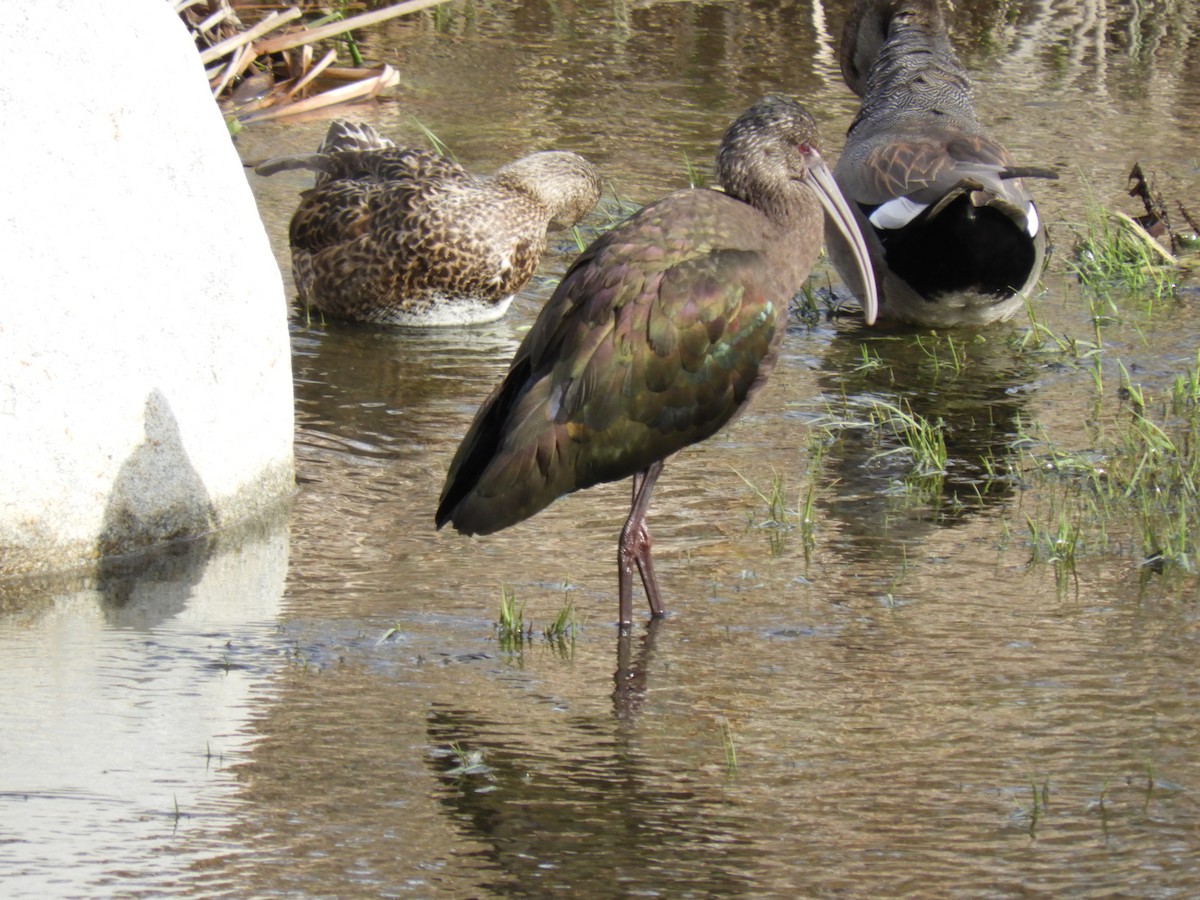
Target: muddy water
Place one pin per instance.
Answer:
(904, 705)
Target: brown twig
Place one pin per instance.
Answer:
(359, 90)
(295, 39)
(1187, 217)
(1156, 220)
(266, 26)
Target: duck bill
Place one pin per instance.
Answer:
(839, 213)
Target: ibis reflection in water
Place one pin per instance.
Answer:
(657, 337)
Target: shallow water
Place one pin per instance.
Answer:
(911, 705)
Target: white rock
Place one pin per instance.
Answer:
(145, 373)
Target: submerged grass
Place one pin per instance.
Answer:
(775, 499)
(560, 633)
(924, 441)
(563, 625)
(1135, 487)
(781, 518)
(439, 146)
(1127, 486)
(612, 209)
(808, 507)
(1141, 476)
(697, 177)
(514, 631)
(805, 306)
(943, 353)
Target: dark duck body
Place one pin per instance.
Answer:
(657, 337)
(954, 235)
(400, 236)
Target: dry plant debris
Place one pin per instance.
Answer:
(271, 69)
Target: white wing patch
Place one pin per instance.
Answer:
(896, 213)
(1032, 222)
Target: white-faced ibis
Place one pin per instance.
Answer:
(400, 236)
(955, 238)
(659, 334)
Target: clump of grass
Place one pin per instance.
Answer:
(611, 211)
(808, 508)
(780, 518)
(1040, 339)
(805, 306)
(443, 18)
(1185, 395)
(394, 632)
(779, 514)
(511, 631)
(469, 762)
(1163, 488)
(697, 177)
(1142, 476)
(922, 439)
(1040, 796)
(871, 360)
(580, 240)
(943, 353)
(439, 146)
(1112, 252)
(1058, 547)
(1064, 542)
(563, 625)
(514, 631)
(309, 312)
(560, 633)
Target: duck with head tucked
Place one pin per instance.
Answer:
(954, 235)
(400, 236)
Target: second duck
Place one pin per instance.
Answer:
(954, 235)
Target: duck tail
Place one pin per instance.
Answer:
(346, 135)
(314, 161)
(342, 136)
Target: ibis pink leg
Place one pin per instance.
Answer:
(634, 549)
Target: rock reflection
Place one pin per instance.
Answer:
(152, 588)
(129, 694)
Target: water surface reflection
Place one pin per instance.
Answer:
(127, 700)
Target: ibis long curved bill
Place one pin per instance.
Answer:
(838, 211)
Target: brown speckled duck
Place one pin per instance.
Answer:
(955, 238)
(400, 236)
